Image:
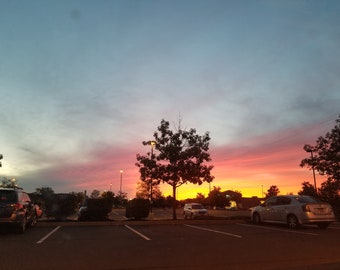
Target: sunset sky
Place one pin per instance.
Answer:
(83, 83)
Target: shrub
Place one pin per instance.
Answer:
(98, 209)
(137, 208)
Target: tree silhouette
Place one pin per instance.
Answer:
(325, 159)
(181, 158)
(307, 189)
(272, 191)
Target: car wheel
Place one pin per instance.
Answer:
(323, 225)
(292, 222)
(192, 216)
(256, 218)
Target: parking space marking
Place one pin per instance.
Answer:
(48, 235)
(137, 232)
(275, 229)
(210, 230)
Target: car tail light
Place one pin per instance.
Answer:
(17, 206)
(306, 208)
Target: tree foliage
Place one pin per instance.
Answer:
(144, 192)
(181, 158)
(8, 183)
(217, 199)
(272, 191)
(325, 159)
(307, 189)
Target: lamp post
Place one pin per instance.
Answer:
(152, 143)
(121, 180)
(310, 150)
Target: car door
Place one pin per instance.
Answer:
(268, 209)
(281, 208)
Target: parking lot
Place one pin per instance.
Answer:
(201, 244)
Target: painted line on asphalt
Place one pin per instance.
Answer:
(210, 230)
(48, 235)
(274, 229)
(138, 233)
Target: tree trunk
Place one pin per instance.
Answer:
(174, 203)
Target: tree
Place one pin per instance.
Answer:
(325, 158)
(272, 191)
(307, 189)
(181, 158)
(143, 191)
(8, 183)
(217, 198)
(95, 194)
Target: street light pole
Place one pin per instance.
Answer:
(152, 143)
(121, 180)
(310, 149)
(313, 169)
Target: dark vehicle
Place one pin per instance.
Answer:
(294, 210)
(16, 209)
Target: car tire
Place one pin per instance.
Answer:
(293, 222)
(256, 218)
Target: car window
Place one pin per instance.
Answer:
(270, 202)
(8, 196)
(197, 206)
(283, 201)
(306, 199)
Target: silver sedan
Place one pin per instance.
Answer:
(294, 210)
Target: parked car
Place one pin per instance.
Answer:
(16, 209)
(194, 210)
(294, 210)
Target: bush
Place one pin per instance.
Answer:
(137, 209)
(97, 209)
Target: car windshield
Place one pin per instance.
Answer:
(7, 196)
(197, 206)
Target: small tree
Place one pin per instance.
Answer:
(9, 183)
(143, 191)
(216, 198)
(95, 194)
(272, 191)
(181, 158)
(325, 158)
(307, 189)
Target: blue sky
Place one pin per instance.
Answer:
(83, 83)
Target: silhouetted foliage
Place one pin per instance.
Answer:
(98, 208)
(325, 159)
(272, 191)
(308, 189)
(181, 158)
(137, 208)
(8, 183)
(217, 199)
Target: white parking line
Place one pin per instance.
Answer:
(136, 232)
(205, 229)
(48, 235)
(274, 229)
